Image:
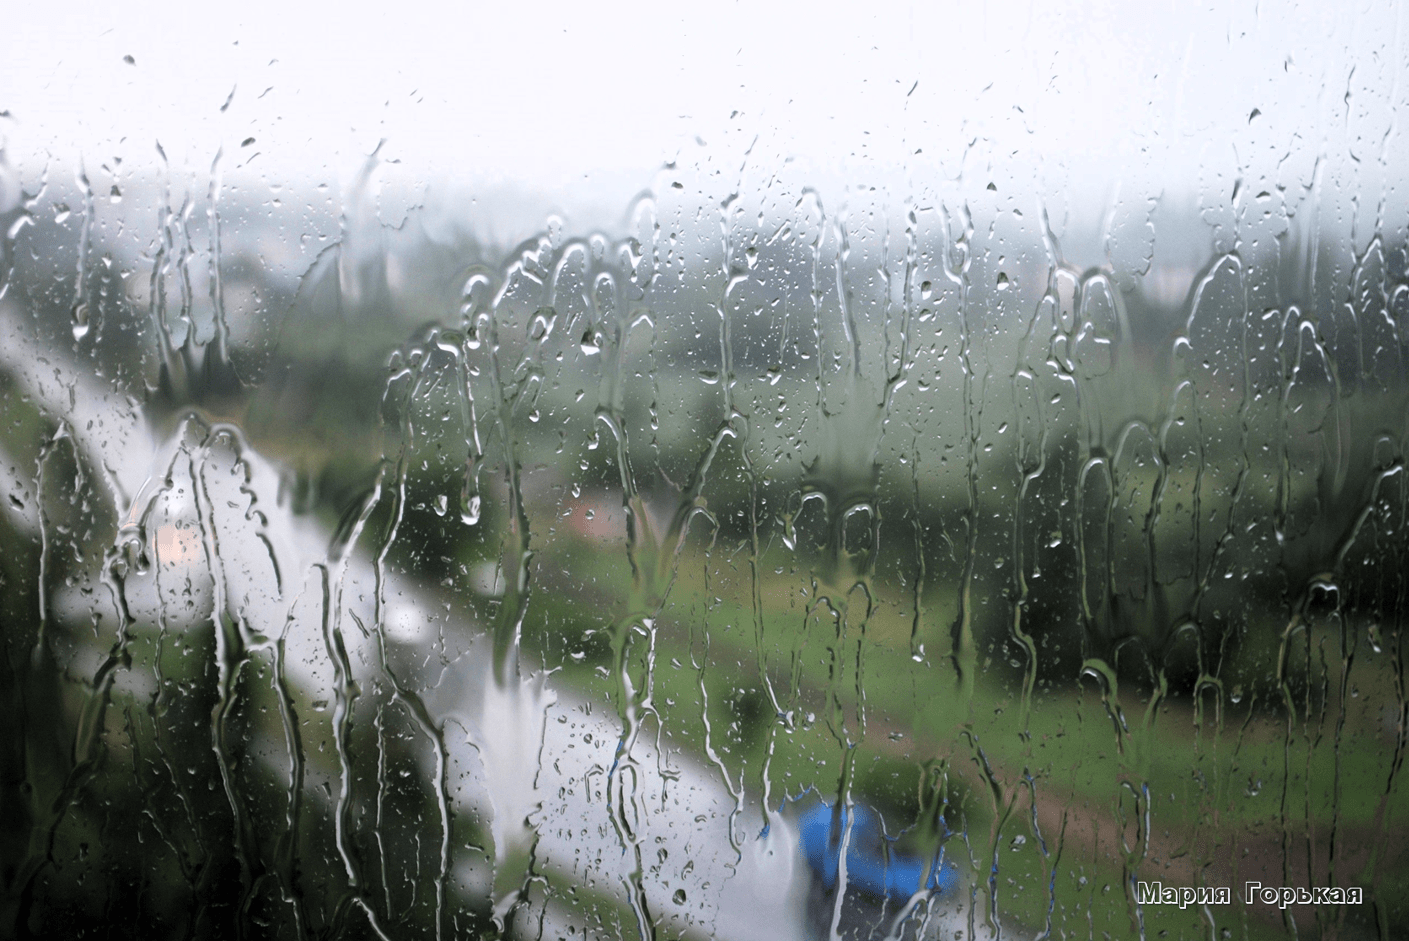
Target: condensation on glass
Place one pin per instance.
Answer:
(928, 551)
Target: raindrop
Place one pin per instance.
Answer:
(80, 320)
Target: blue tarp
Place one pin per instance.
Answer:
(872, 864)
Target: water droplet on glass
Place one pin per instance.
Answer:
(80, 320)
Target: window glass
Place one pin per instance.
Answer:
(748, 474)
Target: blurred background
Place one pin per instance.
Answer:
(746, 472)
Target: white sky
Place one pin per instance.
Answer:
(557, 96)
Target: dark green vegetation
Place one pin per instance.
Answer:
(1088, 589)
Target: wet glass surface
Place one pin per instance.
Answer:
(937, 475)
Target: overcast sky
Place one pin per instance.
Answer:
(596, 97)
